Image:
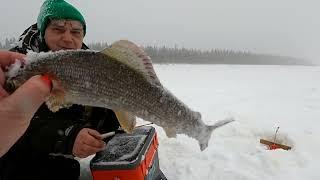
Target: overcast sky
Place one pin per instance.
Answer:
(281, 27)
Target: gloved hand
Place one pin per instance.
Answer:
(88, 142)
(17, 109)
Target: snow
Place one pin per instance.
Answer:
(124, 148)
(13, 69)
(260, 99)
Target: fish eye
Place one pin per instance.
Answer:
(10, 86)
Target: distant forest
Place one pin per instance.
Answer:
(169, 55)
(8, 43)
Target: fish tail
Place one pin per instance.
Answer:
(206, 135)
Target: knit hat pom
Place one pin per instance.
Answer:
(58, 9)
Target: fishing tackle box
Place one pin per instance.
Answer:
(129, 157)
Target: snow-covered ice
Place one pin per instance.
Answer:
(260, 99)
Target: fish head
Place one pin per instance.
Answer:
(14, 82)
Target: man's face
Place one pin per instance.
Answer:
(64, 34)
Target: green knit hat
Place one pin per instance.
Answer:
(58, 9)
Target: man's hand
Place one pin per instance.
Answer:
(88, 142)
(17, 109)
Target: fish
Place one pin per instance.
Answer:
(120, 77)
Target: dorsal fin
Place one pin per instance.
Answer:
(130, 54)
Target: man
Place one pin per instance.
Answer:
(47, 148)
(14, 116)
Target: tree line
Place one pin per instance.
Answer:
(175, 55)
(8, 43)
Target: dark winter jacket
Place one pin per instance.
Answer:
(50, 135)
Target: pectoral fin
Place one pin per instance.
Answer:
(127, 120)
(56, 101)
